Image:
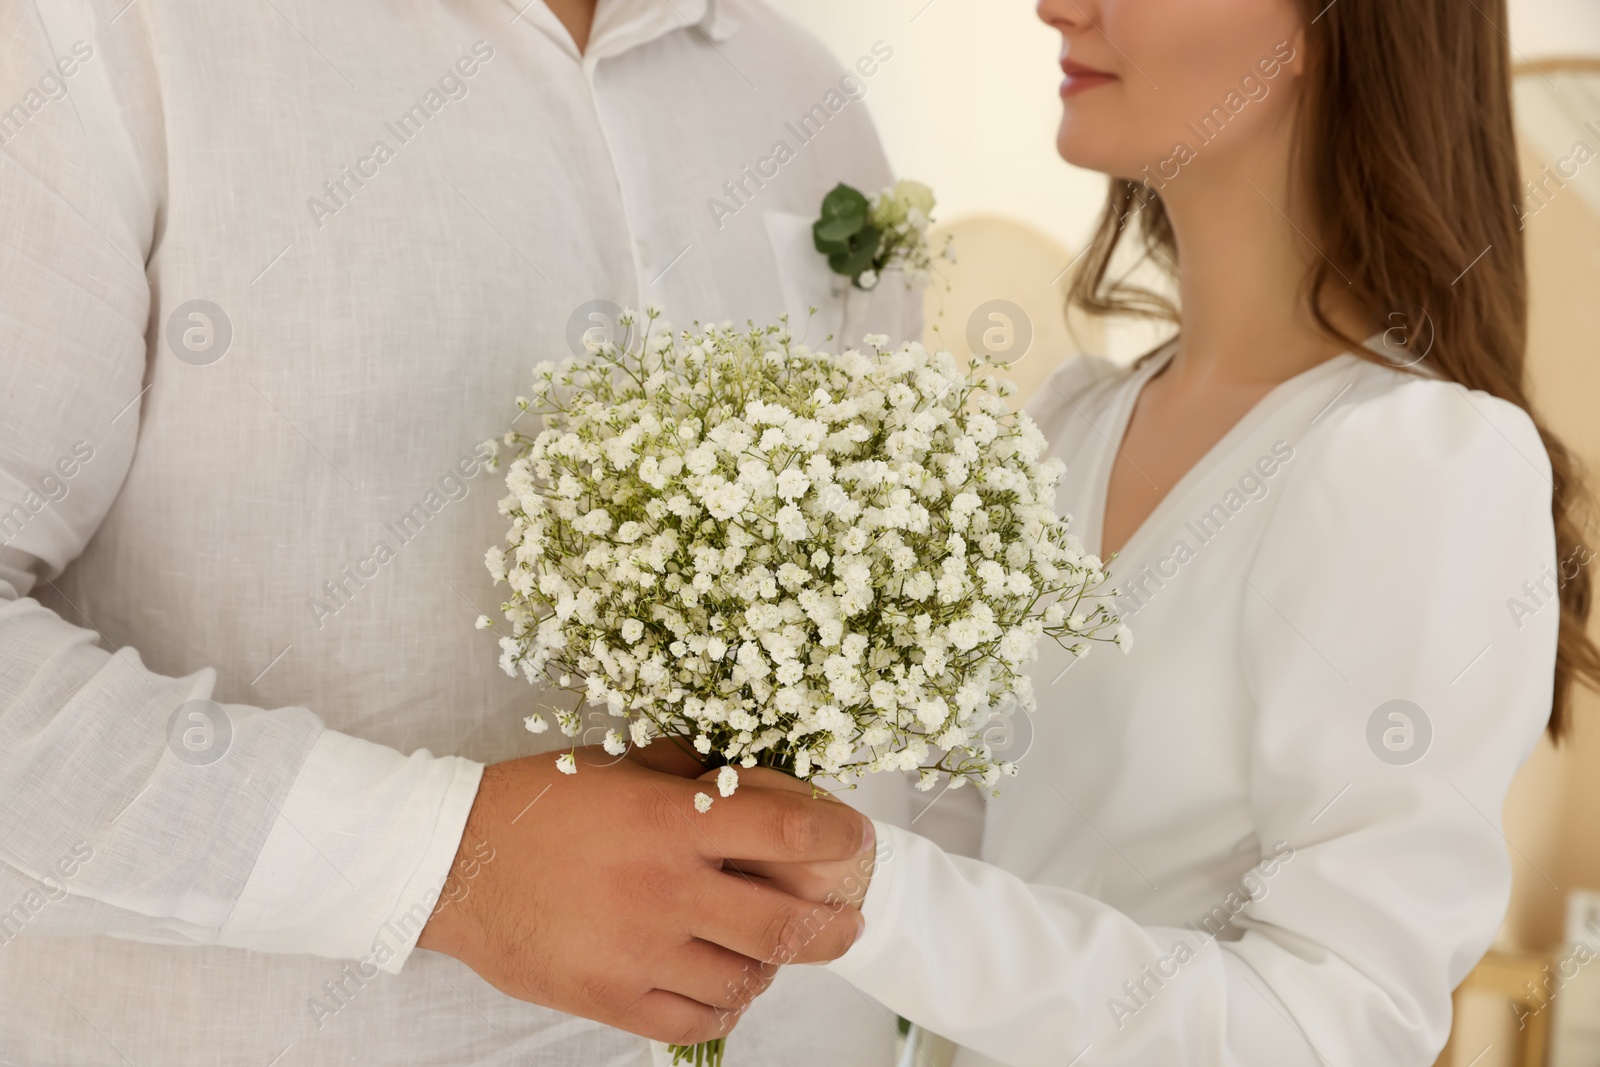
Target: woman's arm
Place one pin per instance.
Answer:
(1034, 974)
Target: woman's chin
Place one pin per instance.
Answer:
(1089, 153)
(1089, 140)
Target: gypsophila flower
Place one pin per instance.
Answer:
(829, 563)
(702, 803)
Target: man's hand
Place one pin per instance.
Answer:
(830, 882)
(608, 896)
(836, 883)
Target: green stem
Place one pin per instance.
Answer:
(705, 1054)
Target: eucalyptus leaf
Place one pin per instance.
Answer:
(844, 232)
(858, 256)
(844, 215)
(835, 232)
(845, 202)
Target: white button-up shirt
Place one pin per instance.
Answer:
(269, 274)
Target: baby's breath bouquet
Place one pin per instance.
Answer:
(827, 563)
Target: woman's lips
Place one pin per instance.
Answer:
(1080, 78)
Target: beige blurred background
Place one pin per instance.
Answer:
(968, 104)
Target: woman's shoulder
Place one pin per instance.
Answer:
(1400, 418)
(1404, 471)
(1075, 387)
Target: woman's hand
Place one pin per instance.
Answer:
(836, 883)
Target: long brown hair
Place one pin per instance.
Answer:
(1405, 137)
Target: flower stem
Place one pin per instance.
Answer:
(705, 1054)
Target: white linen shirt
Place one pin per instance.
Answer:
(1269, 836)
(269, 274)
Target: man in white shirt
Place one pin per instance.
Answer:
(269, 274)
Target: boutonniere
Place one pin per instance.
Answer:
(863, 237)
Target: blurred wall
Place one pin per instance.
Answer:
(1555, 28)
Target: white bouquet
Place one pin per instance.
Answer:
(827, 564)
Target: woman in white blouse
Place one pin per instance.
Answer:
(1271, 835)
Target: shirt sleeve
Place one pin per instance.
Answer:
(1397, 691)
(131, 802)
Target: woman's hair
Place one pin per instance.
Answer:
(1405, 138)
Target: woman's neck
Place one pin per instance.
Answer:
(1244, 252)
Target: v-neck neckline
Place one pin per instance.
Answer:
(1128, 399)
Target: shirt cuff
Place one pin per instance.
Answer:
(884, 900)
(358, 855)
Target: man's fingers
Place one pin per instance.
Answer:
(808, 881)
(770, 778)
(667, 755)
(768, 925)
(782, 826)
(671, 1017)
(715, 976)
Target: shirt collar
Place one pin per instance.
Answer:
(622, 25)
